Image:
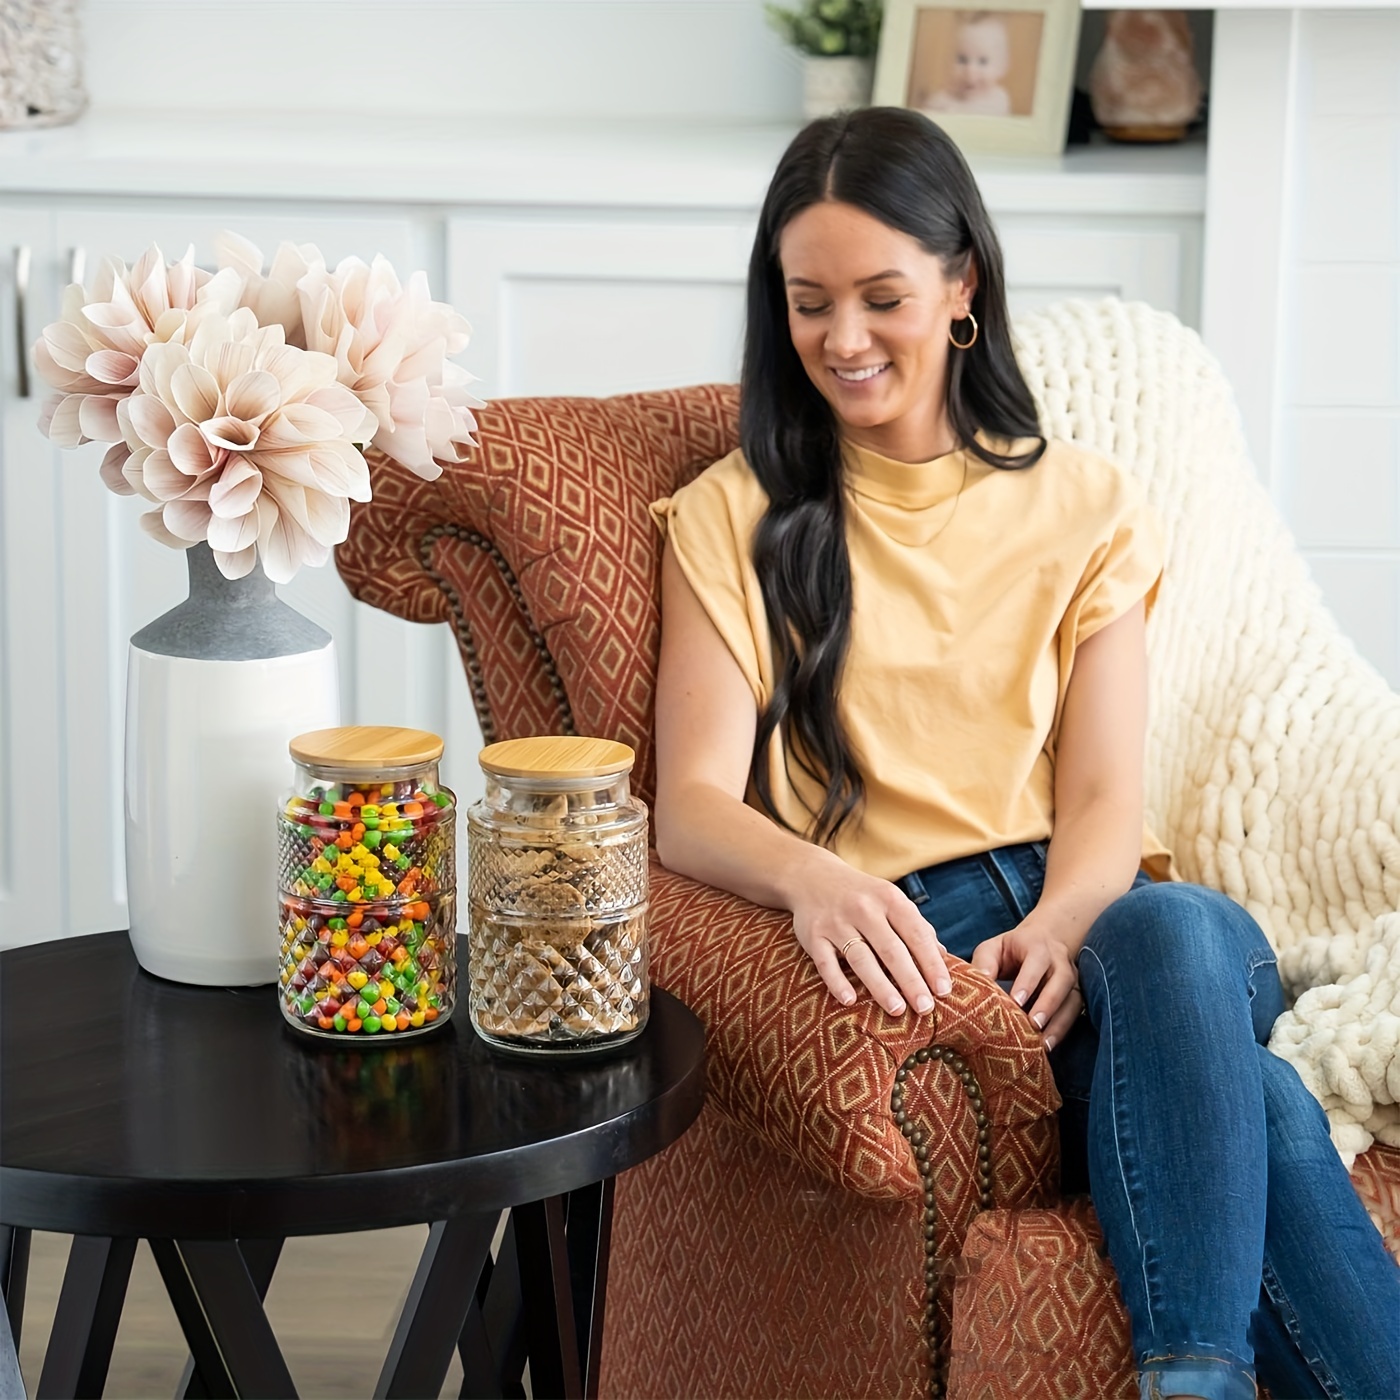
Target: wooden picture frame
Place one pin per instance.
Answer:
(997, 79)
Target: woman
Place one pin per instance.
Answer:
(903, 695)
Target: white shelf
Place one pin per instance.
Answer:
(1102, 178)
(431, 160)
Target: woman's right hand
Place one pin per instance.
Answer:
(706, 717)
(888, 945)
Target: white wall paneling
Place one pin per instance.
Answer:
(1301, 297)
(1251, 92)
(1340, 483)
(1337, 410)
(1363, 591)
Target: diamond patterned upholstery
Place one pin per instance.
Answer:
(1376, 1176)
(800, 1240)
(1037, 1311)
(813, 1079)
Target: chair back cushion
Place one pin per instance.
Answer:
(541, 553)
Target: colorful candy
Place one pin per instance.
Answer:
(368, 908)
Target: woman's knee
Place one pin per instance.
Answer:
(1179, 918)
(1189, 935)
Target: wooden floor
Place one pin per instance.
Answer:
(333, 1304)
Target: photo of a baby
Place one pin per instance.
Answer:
(975, 62)
(998, 80)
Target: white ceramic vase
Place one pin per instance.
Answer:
(215, 691)
(831, 85)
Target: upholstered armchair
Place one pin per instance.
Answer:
(813, 1234)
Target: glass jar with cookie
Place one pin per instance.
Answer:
(557, 895)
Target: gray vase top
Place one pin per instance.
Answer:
(225, 619)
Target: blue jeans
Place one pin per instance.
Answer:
(1237, 1236)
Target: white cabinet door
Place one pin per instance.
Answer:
(33, 854)
(115, 579)
(1153, 260)
(577, 305)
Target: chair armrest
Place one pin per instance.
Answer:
(813, 1078)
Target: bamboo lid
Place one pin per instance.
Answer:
(366, 748)
(556, 756)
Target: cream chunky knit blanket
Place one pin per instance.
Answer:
(1273, 768)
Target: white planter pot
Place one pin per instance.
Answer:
(831, 85)
(206, 767)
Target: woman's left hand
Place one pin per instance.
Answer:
(1046, 978)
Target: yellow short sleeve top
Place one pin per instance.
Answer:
(972, 588)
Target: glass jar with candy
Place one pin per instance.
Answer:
(367, 885)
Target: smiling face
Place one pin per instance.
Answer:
(982, 57)
(869, 312)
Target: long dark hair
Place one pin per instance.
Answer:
(905, 171)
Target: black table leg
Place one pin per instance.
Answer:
(442, 1293)
(546, 1289)
(14, 1274)
(492, 1344)
(85, 1324)
(589, 1228)
(480, 1374)
(261, 1257)
(222, 1317)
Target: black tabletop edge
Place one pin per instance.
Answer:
(229, 1209)
(80, 1200)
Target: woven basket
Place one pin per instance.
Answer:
(41, 80)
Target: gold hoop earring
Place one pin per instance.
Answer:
(964, 344)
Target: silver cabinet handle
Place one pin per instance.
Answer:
(22, 260)
(77, 264)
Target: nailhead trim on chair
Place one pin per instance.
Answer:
(476, 681)
(918, 1140)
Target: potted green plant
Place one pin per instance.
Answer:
(837, 39)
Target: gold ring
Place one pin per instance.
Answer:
(849, 942)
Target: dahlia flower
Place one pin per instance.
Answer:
(390, 345)
(271, 296)
(238, 401)
(246, 442)
(93, 353)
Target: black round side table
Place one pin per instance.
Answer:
(194, 1118)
